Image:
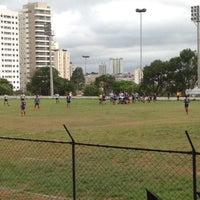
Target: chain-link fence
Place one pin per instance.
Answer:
(34, 169)
(44, 170)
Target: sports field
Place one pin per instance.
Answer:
(38, 171)
(150, 125)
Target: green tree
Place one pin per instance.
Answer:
(63, 86)
(177, 74)
(155, 77)
(185, 70)
(123, 85)
(5, 87)
(91, 90)
(105, 82)
(78, 78)
(40, 82)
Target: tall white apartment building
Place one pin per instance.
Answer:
(102, 69)
(116, 66)
(9, 51)
(35, 38)
(62, 63)
(138, 74)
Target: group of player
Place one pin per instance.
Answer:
(125, 98)
(36, 102)
(68, 99)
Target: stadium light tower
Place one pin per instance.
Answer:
(48, 32)
(85, 57)
(196, 19)
(141, 11)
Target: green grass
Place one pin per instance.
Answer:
(46, 168)
(151, 125)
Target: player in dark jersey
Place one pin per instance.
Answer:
(186, 103)
(23, 108)
(68, 99)
(37, 102)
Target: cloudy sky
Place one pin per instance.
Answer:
(104, 29)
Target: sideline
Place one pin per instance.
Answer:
(96, 97)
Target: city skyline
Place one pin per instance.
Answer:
(104, 29)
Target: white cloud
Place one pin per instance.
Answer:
(111, 28)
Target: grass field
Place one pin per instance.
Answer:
(151, 125)
(40, 170)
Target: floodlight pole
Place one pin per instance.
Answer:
(48, 32)
(85, 57)
(196, 19)
(141, 11)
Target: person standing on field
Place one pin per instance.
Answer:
(68, 99)
(103, 99)
(23, 108)
(6, 100)
(57, 98)
(37, 102)
(186, 103)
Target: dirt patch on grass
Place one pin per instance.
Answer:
(6, 194)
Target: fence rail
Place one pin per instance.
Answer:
(44, 170)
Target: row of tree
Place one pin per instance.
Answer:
(177, 74)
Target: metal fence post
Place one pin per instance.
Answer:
(73, 162)
(193, 166)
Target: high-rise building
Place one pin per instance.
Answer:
(116, 66)
(102, 69)
(138, 74)
(62, 63)
(35, 39)
(9, 51)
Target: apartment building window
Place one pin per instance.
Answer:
(7, 16)
(7, 33)
(6, 27)
(7, 22)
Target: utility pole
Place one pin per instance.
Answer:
(48, 32)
